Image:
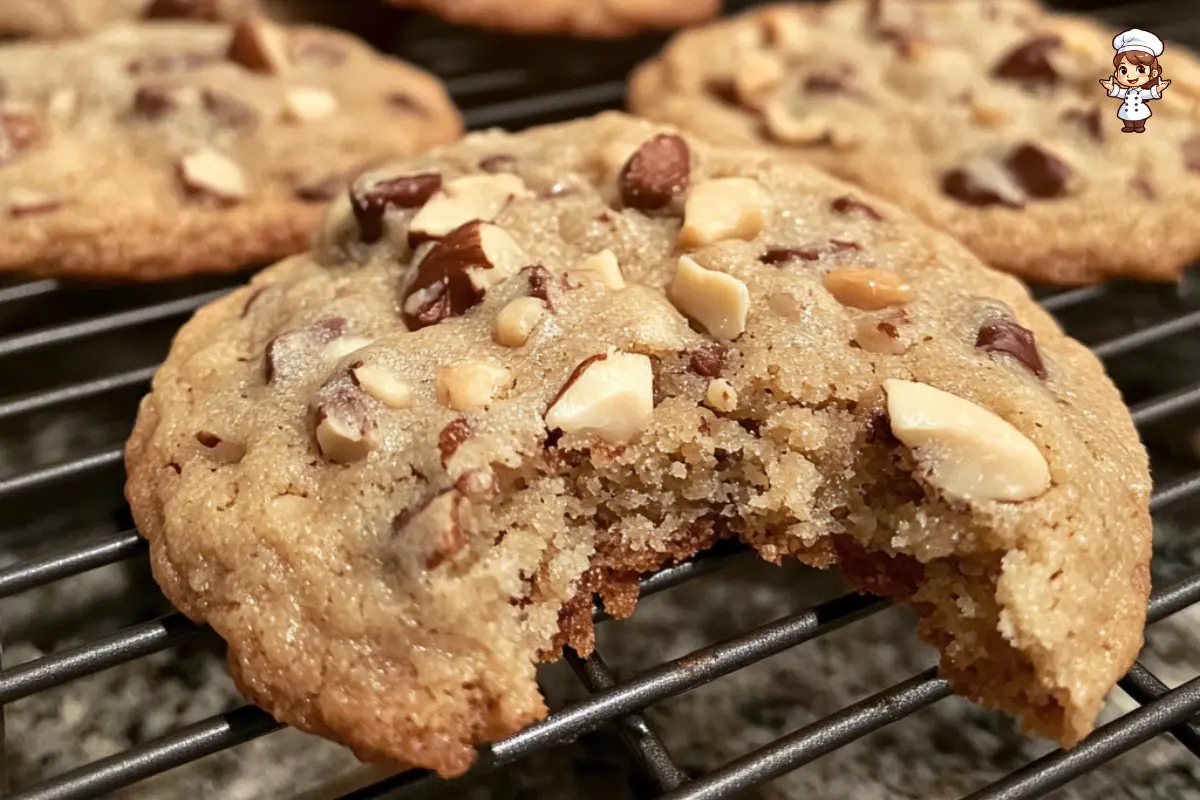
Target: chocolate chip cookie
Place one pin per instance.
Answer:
(607, 19)
(986, 119)
(523, 369)
(75, 17)
(166, 148)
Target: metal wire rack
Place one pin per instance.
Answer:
(68, 348)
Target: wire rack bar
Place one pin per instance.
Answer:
(185, 745)
(1159, 408)
(1150, 334)
(636, 733)
(59, 334)
(1144, 686)
(1175, 492)
(1061, 301)
(95, 656)
(815, 740)
(59, 472)
(1062, 766)
(69, 561)
(26, 291)
(43, 401)
(568, 100)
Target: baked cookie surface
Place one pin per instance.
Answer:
(392, 478)
(591, 18)
(75, 17)
(986, 119)
(167, 148)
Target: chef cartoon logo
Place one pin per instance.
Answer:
(1137, 78)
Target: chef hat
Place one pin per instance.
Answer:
(1138, 39)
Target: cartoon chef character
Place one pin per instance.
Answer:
(1137, 78)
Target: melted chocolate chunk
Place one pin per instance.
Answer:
(1088, 121)
(1030, 61)
(1007, 337)
(371, 200)
(847, 204)
(440, 285)
(1039, 173)
(540, 281)
(153, 102)
(964, 187)
(656, 173)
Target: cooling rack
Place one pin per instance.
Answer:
(90, 350)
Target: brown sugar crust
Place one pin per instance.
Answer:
(95, 132)
(591, 18)
(390, 526)
(896, 96)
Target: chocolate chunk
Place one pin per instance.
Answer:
(371, 200)
(182, 9)
(289, 353)
(847, 204)
(1039, 173)
(540, 281)
(1006, 336)
(656, 173)
(1030, 61)
(153, 102)
(451, 437)
(171, 63)
(708, 360)
(500, 162)
(1088, 121)
(258, 46)
(320, 191)
(403, 101)
(228, 110)
(18, 132)
(964, 187)
(826, 84)
(442, 279)
(778, 256)
(724, 91)
(1191, 154)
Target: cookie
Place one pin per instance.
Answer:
(524, 369)
(985, 119)
(162, 149)
(609, 19)
(75, 17)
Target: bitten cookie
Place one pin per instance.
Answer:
(74, 17)
(526, 368)
(163, 149)
(590, 18)
(986, 119)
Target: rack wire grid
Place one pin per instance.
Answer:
(91, 352)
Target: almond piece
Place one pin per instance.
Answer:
(610, 395)
(604, 265)
(209, 172)
(717, 301)
(345, 428)
(516, 321)
(381, 384)
(867, 288)
(341, 347)
(721, 396)
(723, 208)
(966, 451)
(308, 103)
(470, 384)
(474, 197)
(655, 174)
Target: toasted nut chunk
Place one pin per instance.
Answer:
(340, 348)
(306, 103)
(460, 201)
(720, 395)
(470, 384)
(986, 115)
(867, 288)
(344, 430)
(784, 28)
(258, 45)
(719, 302)
(723, 208)
(967, 452)
(434, 530)
(785, 126)
(381, 384)
(610, 395)
(880, 335)
(517, 320)
(757, 73)
(603, 264)
(212, 173)
(63, 104)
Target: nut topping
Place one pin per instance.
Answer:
(26, 203)
(716, 300)
(604, 265)
(723, 208)
(370, 199)
(1039, 173)
(381, 384)
(345, 428)
(289, 354)
(1030, 61)
(259, 46)
(456, 272)
(757, 73)
(540, 281)
(656, 173)
(474, 197)
(1007, 337)
(966, 451)
(343, 346)
(721, 396)
(516, 321)
(708, 359)
(209, 172)
(308, 103)
(435, 528)
(471, 384)
(451, 436)
(867, 288)
(610, 395)
(785, 126)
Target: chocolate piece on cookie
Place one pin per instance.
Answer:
(985, 119)
(172, 148)
(610, 19)
(422, 455)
